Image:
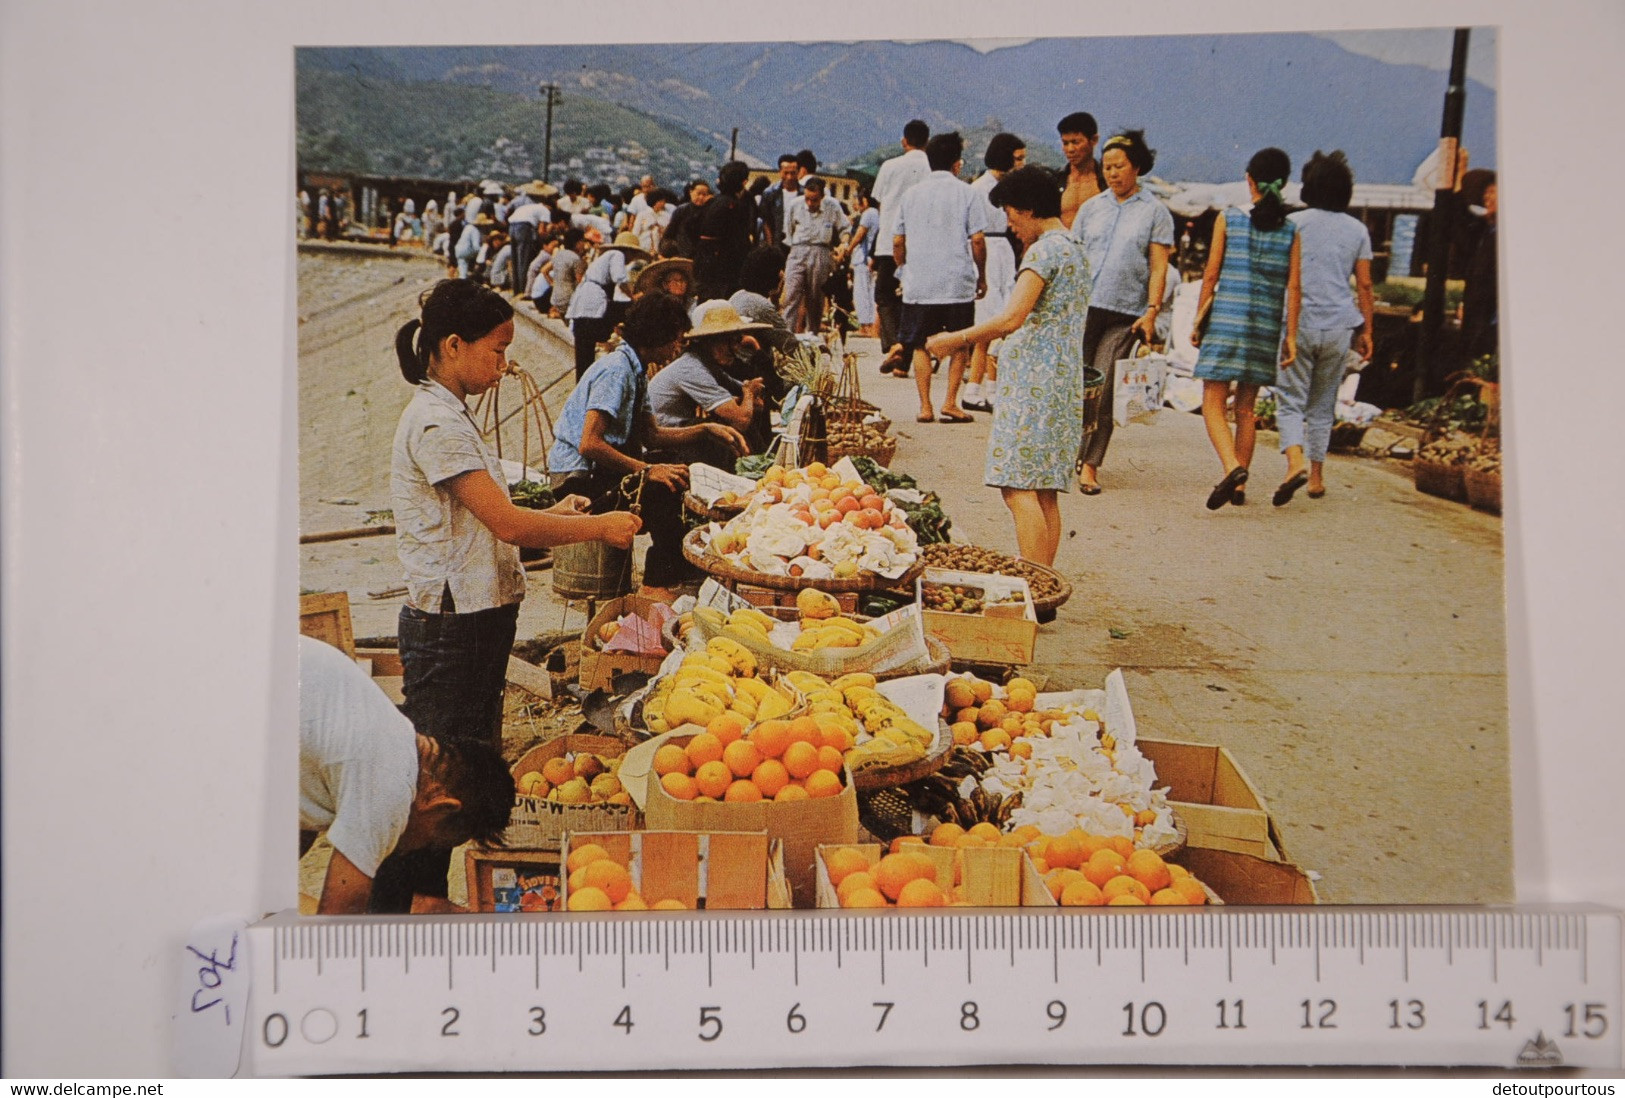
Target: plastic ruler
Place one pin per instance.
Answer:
(1264, 986)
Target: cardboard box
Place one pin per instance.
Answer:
(326, 617)
(727, 871)
(1243, 879)
(1002, 635)
(1214, 799)
(514, 880)
(537, 823)
(599, 668)
(800, 825)
(987, 876)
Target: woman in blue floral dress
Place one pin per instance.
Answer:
(1251, 284)
(1034, 442)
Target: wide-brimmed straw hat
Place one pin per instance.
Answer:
(629, 244)
(650, 277)
(714, 318)
(539, 189)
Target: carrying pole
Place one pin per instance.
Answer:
(1446, 216)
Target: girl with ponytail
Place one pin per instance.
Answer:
(1250, 292)
(458, 536)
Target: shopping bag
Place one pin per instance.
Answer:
(1137, 387)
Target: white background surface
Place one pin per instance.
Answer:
(150, 565)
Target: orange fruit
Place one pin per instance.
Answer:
(1122, 844)
(1013, 725)
(967, 839)
(1011, 840)
(558, 770)
(1091, 844)
(1059, 880)
(792, 791)
(1144, 817)
(771, 738)
(742, 757)
(726, 727)
(896, 870)
(1177, 871)
(671, 759)
(1147, 867)
(581, 855)
(1101, 868)
(992, 713)
(588, 899)
(863, 897)
(704, 748)
(668, 905)
(830, 759)
(743, 790)
(577, 878)
(944, 834)
(1041, 866)
(679, 785)
(921, 892)
(965, 733)
(1027, 832)
(1064, 851)
(1167, 897)
(842, 862)
(1021, 749)
(834, 735)
(823, 783)
(1124, 885)
(1125, 900)
(800, 758)
(1191, 889)
(995, 738)
(959, 694)
(852, 882)
(770, 776)
(903, 842)
(981, 688)
(713, 778)
(1020, 701)
(1082, 894)
(633, 902)
(967, 715)
(804, 730)
(611, 878)
(988, 833)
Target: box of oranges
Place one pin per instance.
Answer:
(787, 777)
(673, 871)
(571, 783)
(915, 874)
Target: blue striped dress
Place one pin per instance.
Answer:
(1243, 341)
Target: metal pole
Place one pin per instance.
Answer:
(549, 90)
(1446, 214)
(733, 144)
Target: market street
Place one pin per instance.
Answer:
(1349, 651)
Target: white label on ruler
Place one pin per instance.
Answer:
(752, 990)
(212, 1017)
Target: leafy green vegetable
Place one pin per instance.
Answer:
(880, 478)
(529, 493)
(753, 465)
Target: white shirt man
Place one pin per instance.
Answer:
(817, 230)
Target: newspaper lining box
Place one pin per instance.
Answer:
(537, 823)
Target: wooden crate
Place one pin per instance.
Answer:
(326, 617)
(715, 871)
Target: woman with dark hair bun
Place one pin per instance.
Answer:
(1252, 279)
(1334, 245)
(1035, 416)
(1127, 234)
(458, 535)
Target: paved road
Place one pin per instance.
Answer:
(1349, 651)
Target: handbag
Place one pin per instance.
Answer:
(1137, 386)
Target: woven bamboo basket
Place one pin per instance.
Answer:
(726, 571)
(1483, 489)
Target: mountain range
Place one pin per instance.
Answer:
(1206, 102)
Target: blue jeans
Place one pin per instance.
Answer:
(1306, 391)
(456, 667)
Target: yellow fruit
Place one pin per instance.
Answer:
(965, 733)
(1125, 900)
(959, 694)
(574, 791)
(800, 759)
(895, 871)
(921, 892)
(1148, 868)
(1191, 889)
(589, 899)
(863, 897)
(842, 862)
(1103, 866)
(982, 689)
(583, 855)
(1124, 885)
(985, 831)
(945, 833)
(855, 881)
(633, 902)
(605, 786)
(668, 905)
(1059, 880)
(995, 738)
(792, 791)
(1167, 897)
(991, 714)
(1082, 894)
(815, 604)
(529, 782)
(609, 876)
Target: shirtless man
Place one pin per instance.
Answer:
(1082, 179)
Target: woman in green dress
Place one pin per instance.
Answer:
(1034, 442)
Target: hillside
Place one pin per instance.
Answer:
(1206, 101)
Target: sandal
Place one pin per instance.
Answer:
(1289, 488)
(955, 417)
(1224, 492)
(925, 419)
(1315, 493)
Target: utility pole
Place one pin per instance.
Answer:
(1446, 216)
(733, 144)
(552, 93)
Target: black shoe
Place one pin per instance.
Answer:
(1224, 491)
(976, 405)
(1284, 494)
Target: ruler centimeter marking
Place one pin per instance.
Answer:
(1472, 988)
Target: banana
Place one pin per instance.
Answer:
(755, 688)
(746, 633)
(810, 640)
(752, 618)
(711, 616)
(806, 681)
(702, 673)
(856, 678)
(772, 707)
(745, 705)
(738, 656)
(846, 625)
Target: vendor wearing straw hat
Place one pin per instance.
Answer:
(673, 276)
(591, 319)
(704, 384)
